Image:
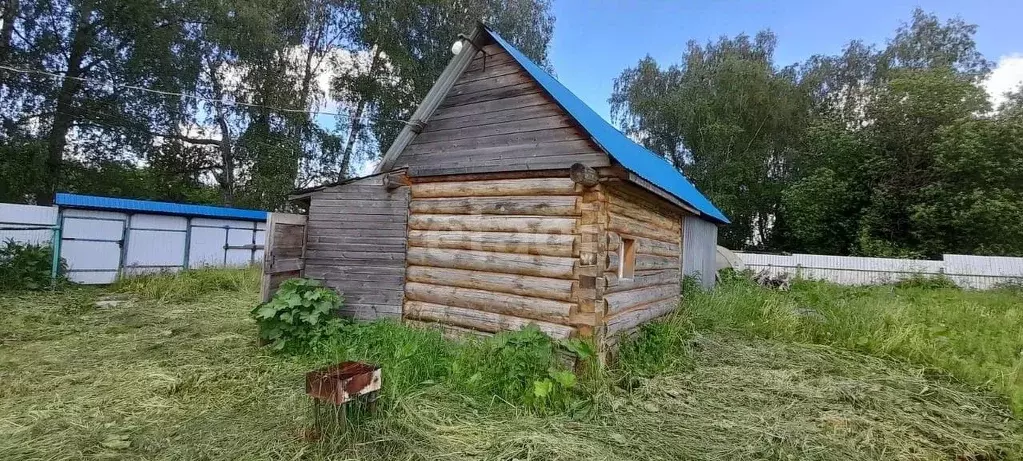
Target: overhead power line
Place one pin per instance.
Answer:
(197, 97)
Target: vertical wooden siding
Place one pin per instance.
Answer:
(497, 118)
(356, 244)
(284, 249)
(700, 254)
(656, 229)
(493, 255)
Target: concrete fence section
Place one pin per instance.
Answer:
(978, 272)
(101, 245)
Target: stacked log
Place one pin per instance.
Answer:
(656, 231)
(494, 255)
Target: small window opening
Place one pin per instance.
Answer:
(627, 259)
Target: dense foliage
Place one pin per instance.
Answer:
(301, 314)
(26, 266)
(233, 102)
(892, 151)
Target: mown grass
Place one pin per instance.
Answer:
(175, 373)
(977, 336)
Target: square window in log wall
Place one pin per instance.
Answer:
(627, 259)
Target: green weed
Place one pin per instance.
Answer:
(27, 267)
(927, 281)
(658, 347)
(517, 368)
(520, 367)
(301, 314)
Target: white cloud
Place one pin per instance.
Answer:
(1006, 76)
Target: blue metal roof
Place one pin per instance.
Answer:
(146, 206)
(632, 156)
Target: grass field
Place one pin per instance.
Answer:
(977, 336)
(175, 373)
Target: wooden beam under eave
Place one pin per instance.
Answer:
(619, 172)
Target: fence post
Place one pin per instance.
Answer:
(188, 242)
(55, 249)
(227, 239)
(125, 237)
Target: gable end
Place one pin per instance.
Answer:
(495, 117)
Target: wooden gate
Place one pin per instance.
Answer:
(285, 250)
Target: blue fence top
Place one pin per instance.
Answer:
(147, 206)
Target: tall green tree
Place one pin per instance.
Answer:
(225, 94)
(892, 104)
(71, 56)
(728, 117)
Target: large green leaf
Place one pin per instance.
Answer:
(265, 311)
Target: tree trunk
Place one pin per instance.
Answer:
(356, 126)
(64, 117)
(227, 160)
(309, 72)
(8, 12)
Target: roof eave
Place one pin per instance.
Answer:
(433, 99)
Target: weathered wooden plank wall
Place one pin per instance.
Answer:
(284, 249)
(655, 228)
(493, 255)
(356, 244)
(496, 118)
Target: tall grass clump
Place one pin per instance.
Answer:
(658, 347)
(519, 369)
(976, 336)
(522, 367)
(189, 285)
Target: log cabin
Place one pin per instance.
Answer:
(505, 201)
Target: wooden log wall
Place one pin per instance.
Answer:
(356, 244)
(497, 118)
(493, 255)
(656, 229)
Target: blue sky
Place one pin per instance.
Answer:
(595, 40)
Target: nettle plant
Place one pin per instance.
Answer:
(520, 366)
(300, 315)
(26, 266)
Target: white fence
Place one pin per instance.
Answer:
(979, 272)
(101, 245)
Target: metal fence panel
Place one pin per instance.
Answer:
(31, 219)
(981, 272)
(207, 247)
(100, 245)
(155, 250)
(91, 244)
(236, 238)
(153, 221)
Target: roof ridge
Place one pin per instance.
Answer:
(617, 144)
